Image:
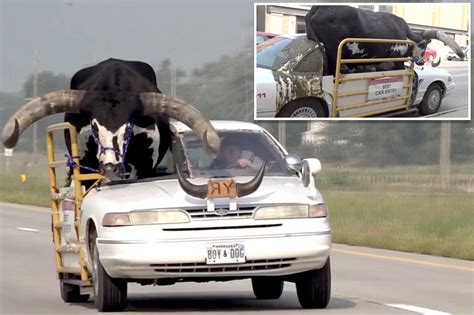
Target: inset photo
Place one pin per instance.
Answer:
(372, 61)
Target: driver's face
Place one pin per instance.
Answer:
(231, 154)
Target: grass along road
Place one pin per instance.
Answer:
(435, 224)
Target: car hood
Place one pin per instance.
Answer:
(168, 194)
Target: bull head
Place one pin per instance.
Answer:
(110, 127)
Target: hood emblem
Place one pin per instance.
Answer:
(222, 211)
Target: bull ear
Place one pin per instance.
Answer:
(40, 107)
(160, 104)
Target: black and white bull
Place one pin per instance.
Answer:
(120, 115)
(332, 24)
(122, 120)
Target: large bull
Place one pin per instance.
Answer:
(122, 120)
(331, 24)
(120, 115)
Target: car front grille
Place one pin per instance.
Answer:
(262, 264)
(221, 213)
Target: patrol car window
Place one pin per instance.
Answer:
(268, 51)
(252, 147)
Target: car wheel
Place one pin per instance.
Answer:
(431, 100)
(307, 108)
(109, 294)
(267, 288)
(71, 293)
(314, 287)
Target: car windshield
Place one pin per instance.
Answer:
(262, 38)
(268, 51)
(242, 153)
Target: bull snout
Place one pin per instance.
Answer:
(111, 171)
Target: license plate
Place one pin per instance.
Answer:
(225, 253)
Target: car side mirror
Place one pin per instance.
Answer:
(294, 162)
(310, 167)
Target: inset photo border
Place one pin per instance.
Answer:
(368, 61)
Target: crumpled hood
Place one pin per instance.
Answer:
(168, 194)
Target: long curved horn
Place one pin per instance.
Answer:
(156, 104)
(198, 191)
(40, 107)
(432, 34)
(249, 187)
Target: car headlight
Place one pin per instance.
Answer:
(281, 212)
(450, 79)
(318, 211)
(116, 219)
(145, 217)
(158, 217)
(290, 212)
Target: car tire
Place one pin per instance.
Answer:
(304, 108)
(314, 287)
(431, 100)
(71, 293)
(110, 294)
(267, 288)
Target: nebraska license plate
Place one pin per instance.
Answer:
(225, 253)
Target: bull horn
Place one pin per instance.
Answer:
(40, 107)
(200, 191)
(249, 187)
(159, 104)
(432, 34)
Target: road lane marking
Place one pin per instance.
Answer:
(418, 309)
(407, 260)
(28, 229)
(456, 109)
(459, 75)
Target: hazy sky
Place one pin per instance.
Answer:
(71, 34)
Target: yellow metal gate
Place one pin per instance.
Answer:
(345, 99)
(80, 274)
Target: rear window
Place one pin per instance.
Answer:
(268, 51)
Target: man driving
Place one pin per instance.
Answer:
(230, 156)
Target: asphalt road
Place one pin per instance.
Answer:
(365, 281)
(456, 104)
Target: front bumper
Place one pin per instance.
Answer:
(276, 255)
